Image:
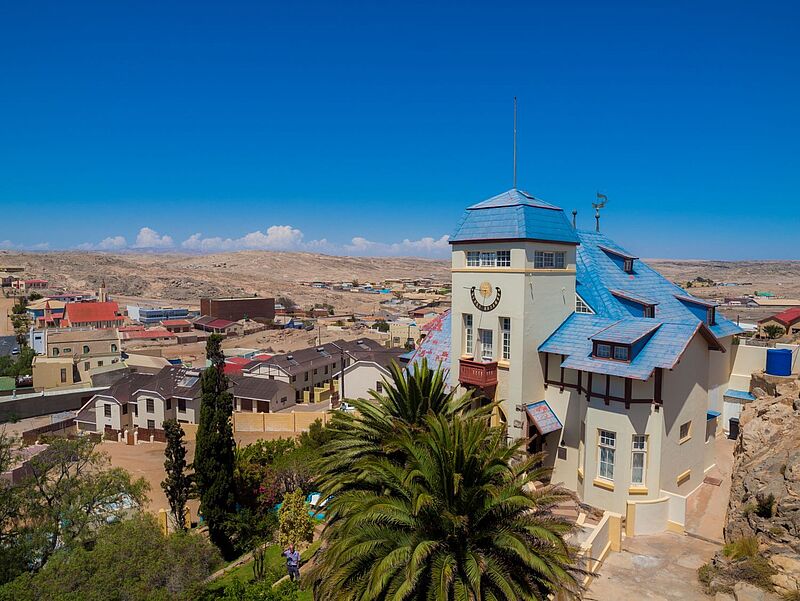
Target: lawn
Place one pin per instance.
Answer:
(273, 561)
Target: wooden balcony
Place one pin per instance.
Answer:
(477, 373)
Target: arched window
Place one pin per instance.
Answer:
(113, 348)
(85, 349)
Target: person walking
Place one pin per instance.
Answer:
(292, 562)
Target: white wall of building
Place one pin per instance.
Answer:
(361, 377)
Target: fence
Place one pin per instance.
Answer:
(285, 421)
(63, 428)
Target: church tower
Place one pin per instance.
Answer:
(513, 278)
(102, 293)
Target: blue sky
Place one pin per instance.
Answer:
(366, 128)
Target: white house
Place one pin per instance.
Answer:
(610, 369)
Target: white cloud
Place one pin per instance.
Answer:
(110, 243)
(426, 247)
(9, 245)
(149, 238)
(276, 237)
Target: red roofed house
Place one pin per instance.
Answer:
(208, 323)
(788, 320)
(177, 325)
(25, 285)
(95, 315)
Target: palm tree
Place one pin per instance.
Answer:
(369, 431)
(454, 519)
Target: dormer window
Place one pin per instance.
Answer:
(607, 350)
(623, 260)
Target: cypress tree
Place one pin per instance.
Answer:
(214, 454)
(177, 484)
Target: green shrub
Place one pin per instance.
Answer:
(764, 506)
(741, 548)
(755, 570)
(706, 573)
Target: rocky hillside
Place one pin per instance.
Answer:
(185, 278)
(764, 508)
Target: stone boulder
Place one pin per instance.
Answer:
(765, 491)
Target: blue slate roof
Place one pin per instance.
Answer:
(514, 215)
(627, 331)
(602, 284)
(615, 296)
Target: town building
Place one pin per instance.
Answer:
(367, 372)
(84, 349)
(311, 371)
(143, 401)
(261, 395)
(614, 372)
(234, 309)
(28, 285)
(177, 326)
(155, 315)
(92, 315)
(788, 321)
(217, 325)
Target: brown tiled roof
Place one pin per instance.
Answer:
(260, 389)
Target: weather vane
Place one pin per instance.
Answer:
(602, 199)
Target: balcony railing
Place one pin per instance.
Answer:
(477, 373)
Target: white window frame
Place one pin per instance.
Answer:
(606, 454)
(473, 258)
(486, 338)
(505, 338)
(469, 342)
(603, 345)
(549, 259)
(639, 449)
(504, 258)
(688, 432)
(581, 306)
(488, 258)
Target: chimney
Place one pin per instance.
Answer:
(574, 220)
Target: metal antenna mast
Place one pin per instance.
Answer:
(515, 142)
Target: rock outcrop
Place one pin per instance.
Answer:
(765, 492)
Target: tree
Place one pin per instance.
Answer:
(68, 494)
(407, 399)
(178, 484)
(22, 325)
(429, 501)
(773, 331)
(453, 519)
(214, 453)
(287, 302)
(294, 522)
(34, 296)
(130, 559)
(381, 325)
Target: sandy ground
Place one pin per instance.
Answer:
(146, 460)
(6, 328)
(660, 567)
(271, 341)
(707, 506)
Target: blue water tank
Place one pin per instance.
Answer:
(779, 362)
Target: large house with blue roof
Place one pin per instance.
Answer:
(613, 371)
